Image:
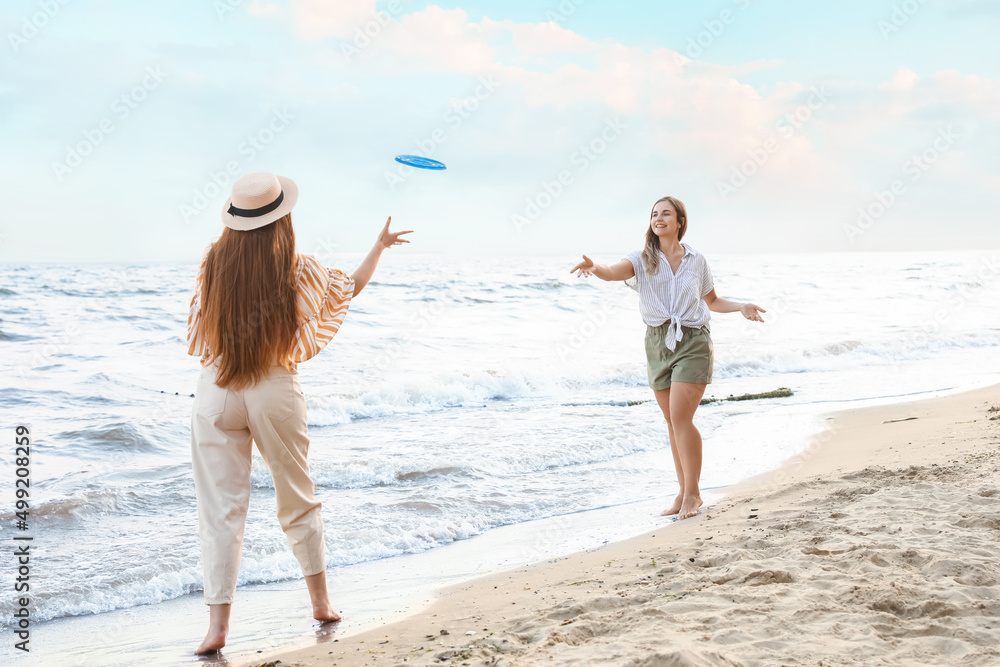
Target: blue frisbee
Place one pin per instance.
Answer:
(420, 162)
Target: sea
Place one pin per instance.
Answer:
(472, 414)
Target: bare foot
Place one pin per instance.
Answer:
(323, 611)
(326, 614)
(675, 508)
(689, 507)
(214, 640)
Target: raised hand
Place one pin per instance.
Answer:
(585, 268)
(388, 239)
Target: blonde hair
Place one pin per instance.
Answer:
(249, 306)
(651, 250)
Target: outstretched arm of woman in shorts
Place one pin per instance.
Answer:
(622, 270)
(386, 239)
(720, 305)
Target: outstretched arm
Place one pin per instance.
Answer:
(718, 305)
(386, 239)
(622, 270)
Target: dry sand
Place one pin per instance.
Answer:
(877, 546)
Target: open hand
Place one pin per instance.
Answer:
(585, 268)
(388, 239)
(750, 311)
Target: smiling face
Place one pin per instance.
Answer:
(663, 221)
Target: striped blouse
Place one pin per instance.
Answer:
(675, 297)
(323, 296)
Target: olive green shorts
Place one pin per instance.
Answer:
(691, 360)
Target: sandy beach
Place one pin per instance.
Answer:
(876, 545)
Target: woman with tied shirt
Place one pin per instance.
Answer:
(676, 293)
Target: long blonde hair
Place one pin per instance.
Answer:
(248, 297)
(651, 251)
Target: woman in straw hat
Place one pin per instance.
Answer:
(258, 310)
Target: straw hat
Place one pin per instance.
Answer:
(259, 199)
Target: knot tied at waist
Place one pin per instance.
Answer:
(673, 331)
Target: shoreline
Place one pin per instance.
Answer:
(537, 614)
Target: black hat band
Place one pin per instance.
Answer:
(256, 212)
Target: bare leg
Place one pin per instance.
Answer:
(684, 400)
(218, 628)
(322, 609)
(663, 400)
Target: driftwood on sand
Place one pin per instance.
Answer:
(781, 392)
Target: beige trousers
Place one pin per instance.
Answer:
(223, 424)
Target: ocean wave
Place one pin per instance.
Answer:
(550, 285)
(131, 492)
(69, 507)
(157, 580)
(462, 466)
(850, 354)
(78, 293)
(363, 474)
(14, 337)
(16, 396)
(841, 347)
(436, 393)
(110, 438)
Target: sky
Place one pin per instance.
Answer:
(783, 126)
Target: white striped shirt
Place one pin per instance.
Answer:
(675, 297)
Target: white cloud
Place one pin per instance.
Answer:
(443, 39)
(550, 37)
(975, 92)
(904, 79)
(317, 19)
